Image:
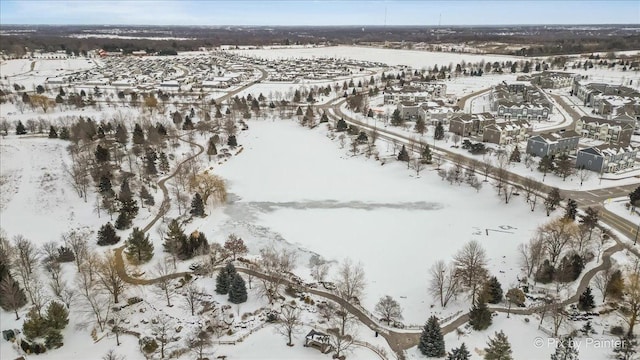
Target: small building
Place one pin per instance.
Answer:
(318, 340)
(606, 158)
(408, 110)
(507, 132)
(553, 144)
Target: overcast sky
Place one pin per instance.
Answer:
(398, 12)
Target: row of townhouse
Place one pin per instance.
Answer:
(551, 79)
(607, 98)
(430, 111)
(552, 144)
(518, 100)
(616, 131)
(507, 132)
(606, 158)
(414, 94)
(470, 124)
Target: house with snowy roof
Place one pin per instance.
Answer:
(553, 144)
(470, 124)
(519, 101)
(607, 158)
(615, 131)
(507, 132)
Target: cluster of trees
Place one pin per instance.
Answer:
(181, 246)
(230, 282)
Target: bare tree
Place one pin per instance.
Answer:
(111, 355)
(487, 165)
(198, 343)
(583, 174)
(388, 309)
(341, 341)
(418, 165)
(471, 263)
(558, 316)
(96, 302)
(108, 277)
(162, 326)
(631, 299)
(350, 281)
(276, 264)
(192, 297)
(556, 235)
(79, 172)
(76, 240)
(531, 254)
(162, 272)
(319, 267)
(603, 280)
(235, 246)
(289, 322)
(444, 282)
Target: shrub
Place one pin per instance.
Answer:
(617, 330)
(149, 345)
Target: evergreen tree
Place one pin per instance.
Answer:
(161, 130)
(197, 206)
(64, 133)
(296, 96)
(105, 188)
(341, 125)
(564, 166)
(480, 316)
(163, 162)
(101, 134)
(121, 135)
(138, 135)
(53, 134)
(432, 341)
(439, 132)
(20, 129)
(232, 142)
(57, 315)
(188, 123)
(460, 353)
(493, 290)
(211, 148)
(35, 325)
(615, 287)
(324, 118)
(53, 339)
(499, 348)
(237, 290)
(196, 242)
(146, 197)
(625, 348)
(403, 155)
(12, 297)
(128, 211)
(107, 235)
(150, 158)
(634, 197)
(175, 238)
(139, 248)
(571, 210)
(585, 302)
(553, 200)
(565, 350)
(426, 154)
(224, 278)
(396, 118)
(546, 164)
(102, 154)
(421, 126)
(515, 155)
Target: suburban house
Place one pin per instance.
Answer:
(519, 101)
(418, 93)
(553, 79)
(506, 132)
(612, 105)
(616, 131)
(318, 340)
(470, 124)
(430, 111)
(606, 158)
(589, 92)
(553, 144)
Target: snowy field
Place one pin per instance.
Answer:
(322, 200)
(413, 58)
(618, 207)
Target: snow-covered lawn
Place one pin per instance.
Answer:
(619, 207)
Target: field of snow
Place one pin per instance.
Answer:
(413, 58)
(31, 73)
(618, 207)
(322, 200)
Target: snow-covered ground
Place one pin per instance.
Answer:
(413, 58)
(619, 207)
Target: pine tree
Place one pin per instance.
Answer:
(565, 350)
(34, 325)
(553, 200)
(460, 353)
(515, 155)
(493, 290)
(439, 132)
(324, 118)
(546, 164)
(499, 348)
(163, 162)
(571, 210)
(211, 149)
(396, 118)
(232, 142)
(196, 243)
(585, 302)
(432, 341)
(480, 316)
(139, 248)
(146, 196)
(12, 297)
(426, 154)
(223, 282)
(53, 339)
(104, 187)
(634, 197)
(138, 135)
(102, 154)
(53, 134)
(188, 123)
(421, 126)
(175, 238)
(237, 290)
(128, 211)
(20, 129)
(197, 206)
(107, 235)
(57, 315)
(150, 158)
(121, 135)
(403, 155)
(64, 133)
(341, 125)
